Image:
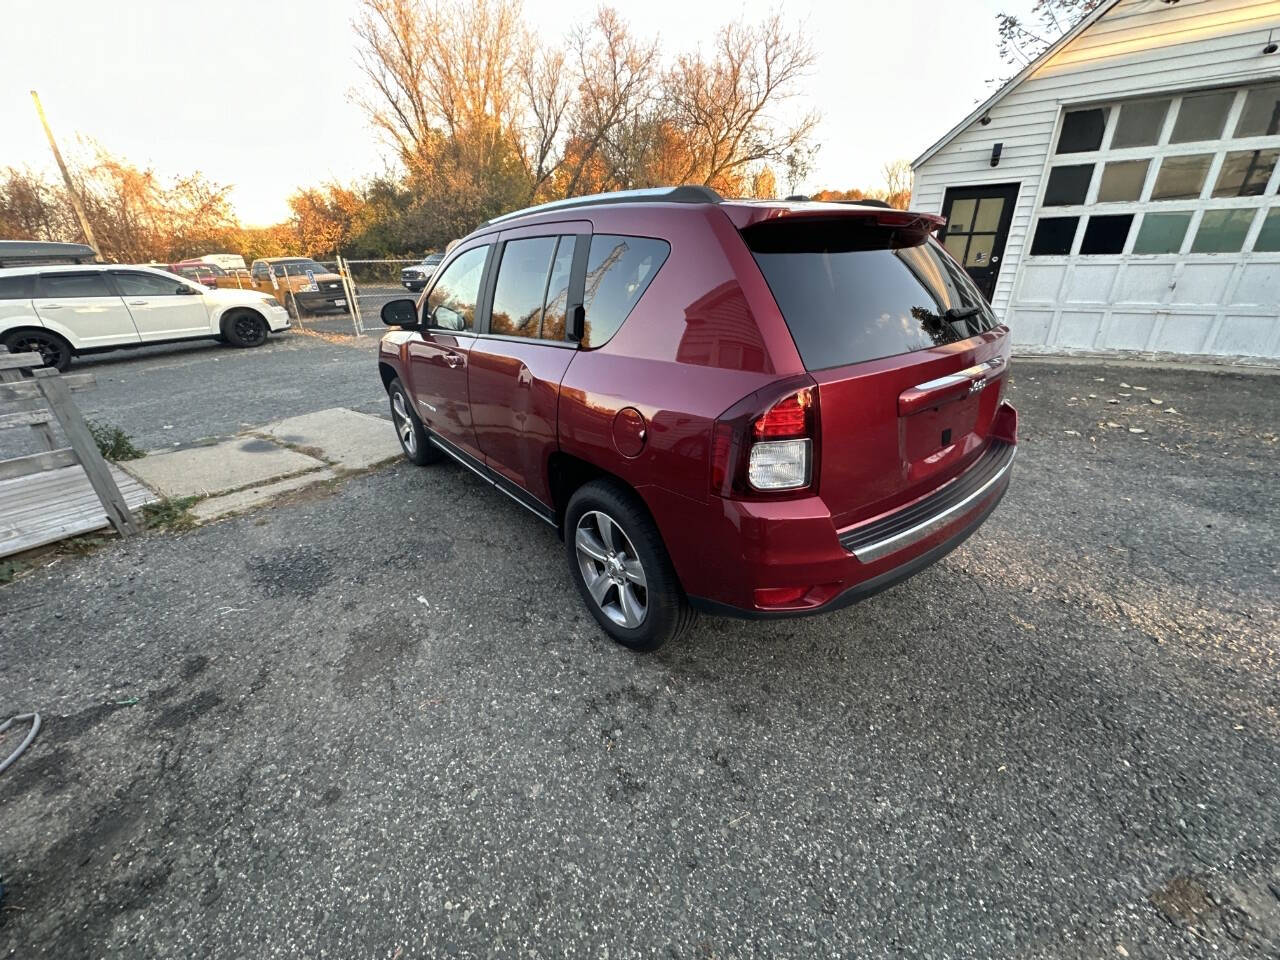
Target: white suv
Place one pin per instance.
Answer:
(59, 311)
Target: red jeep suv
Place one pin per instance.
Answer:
(743, 407)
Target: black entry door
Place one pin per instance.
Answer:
(977, 227)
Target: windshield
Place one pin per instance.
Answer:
(298, 268)
(850, 292)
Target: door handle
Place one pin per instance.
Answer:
(52, 306)
(454, 360)
(137, 303)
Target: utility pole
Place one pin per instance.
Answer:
(66, 178)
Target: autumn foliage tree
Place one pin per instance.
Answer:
(485, 118)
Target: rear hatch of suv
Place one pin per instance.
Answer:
(908, 357)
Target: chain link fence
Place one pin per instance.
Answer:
(340, 297)
(377, 281)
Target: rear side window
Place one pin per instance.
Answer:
(849, 293)
(15, 288)
(619, 270)
(72, 285)
(533, 274)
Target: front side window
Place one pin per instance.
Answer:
(66, 286)
(146, 285)
(619, 270)
(451, 304)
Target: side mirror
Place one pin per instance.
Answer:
(184, 290)
(400, 313)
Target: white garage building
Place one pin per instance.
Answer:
(1120, 193)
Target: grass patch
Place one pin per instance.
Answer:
(9, 570)
(113, 442)
(171, 513)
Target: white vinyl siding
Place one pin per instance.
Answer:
(1137, 48)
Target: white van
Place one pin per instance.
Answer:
(61, 311)
(227, 261)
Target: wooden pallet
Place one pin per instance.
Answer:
(42, 508)
(61, 491)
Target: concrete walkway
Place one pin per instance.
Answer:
(262, 464)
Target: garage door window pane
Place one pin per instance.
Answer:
(1053, 236)
(1245, 173)
(1261, 114)
(1106, 234)
(1122, 181)
(1161, 233)
(1140, 123)
(1202, 117)
(1222, 231)
(1068, 185)
(1082, 131)
(1269, 236)
(961, 217)
(1181, 178)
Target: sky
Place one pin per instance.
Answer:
(256, 93)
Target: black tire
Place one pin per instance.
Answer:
(666, 614)
(245, 328)
(409, 429)
(55, 350)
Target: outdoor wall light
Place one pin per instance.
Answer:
(1271, 44)
(995, 154)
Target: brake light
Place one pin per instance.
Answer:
(766, 444)
(787, 417)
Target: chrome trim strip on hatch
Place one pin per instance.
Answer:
(882, 548)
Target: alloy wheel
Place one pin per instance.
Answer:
(248, 329)
(404, 425)
(611, 569)
(51, 352)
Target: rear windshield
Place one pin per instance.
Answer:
(852, 292)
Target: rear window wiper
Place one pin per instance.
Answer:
(961, 313)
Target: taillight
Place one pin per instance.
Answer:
(766, 444)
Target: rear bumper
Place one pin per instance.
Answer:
(869, 587)
(794, 545)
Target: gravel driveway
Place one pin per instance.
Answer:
(380, 724)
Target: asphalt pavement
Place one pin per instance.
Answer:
(177, 394)
(378, 722)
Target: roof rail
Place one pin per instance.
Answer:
(685, 194)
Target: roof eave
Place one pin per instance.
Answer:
(1017, 79)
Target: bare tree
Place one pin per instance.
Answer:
(1022, 40)
(616, 77)
(726, 106)
(898, 180)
